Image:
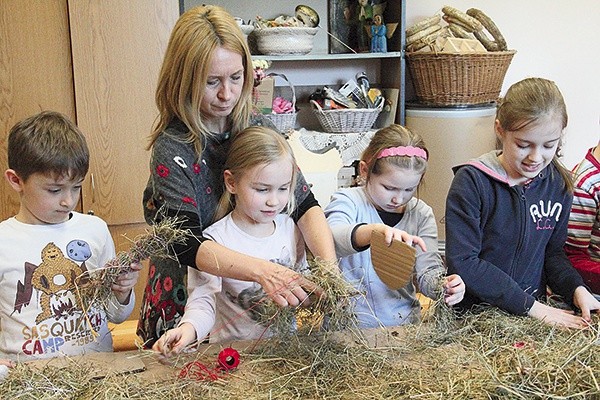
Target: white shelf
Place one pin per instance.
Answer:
(324, 56)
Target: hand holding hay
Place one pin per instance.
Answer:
(331, 308)
(95, 288)
(125, 282)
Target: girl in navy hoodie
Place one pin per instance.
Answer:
(507, 213)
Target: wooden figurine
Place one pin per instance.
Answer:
(379, 33)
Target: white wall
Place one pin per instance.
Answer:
(554, 39)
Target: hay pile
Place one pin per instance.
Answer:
(93, 288)
(481, 356)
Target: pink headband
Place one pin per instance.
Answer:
(409, 151)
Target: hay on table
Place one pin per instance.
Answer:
(492, 355)
(486, 354)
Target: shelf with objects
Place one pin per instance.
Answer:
(329, 54)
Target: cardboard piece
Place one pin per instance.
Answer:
(263, 95)
(393, 264)
(459, 45)
(103, 364)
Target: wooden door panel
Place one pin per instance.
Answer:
(35, 71)
(118, 48)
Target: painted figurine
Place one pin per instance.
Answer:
(380, 33)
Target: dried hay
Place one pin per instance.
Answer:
(93, 288)
(486, 354)
(332, 311)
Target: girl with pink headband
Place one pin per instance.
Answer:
(391, 169)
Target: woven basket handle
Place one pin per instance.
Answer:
(274, 74)
(317, 106)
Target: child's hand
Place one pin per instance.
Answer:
(175, 340)
(397, 234)
(125, 282)
(586, 302)
(556, 316)
(5, 365)
(454, 289)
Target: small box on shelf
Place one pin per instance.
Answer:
(263, 95)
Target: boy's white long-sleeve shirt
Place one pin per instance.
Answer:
(39, 312)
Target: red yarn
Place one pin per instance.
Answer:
(228, 359)
(197, 371)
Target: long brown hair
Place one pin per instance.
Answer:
(196, 35)
(526, 102)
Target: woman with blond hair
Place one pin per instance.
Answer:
(204, 100)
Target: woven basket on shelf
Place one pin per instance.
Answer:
(458, 78)
(284, 122)
(345, 120)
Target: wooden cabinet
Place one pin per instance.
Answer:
(35, 71)
(97, 62)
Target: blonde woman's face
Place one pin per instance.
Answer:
(223, 88)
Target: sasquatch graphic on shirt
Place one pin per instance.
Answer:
(52, 286)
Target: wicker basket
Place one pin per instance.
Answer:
(451, 79)
(285, 40)
(284, 122)
(345, 120)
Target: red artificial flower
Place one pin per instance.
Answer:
(162, 170)
(196, 167)
(229, 359)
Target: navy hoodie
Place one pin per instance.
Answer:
(506, 242)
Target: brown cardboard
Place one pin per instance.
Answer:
(263, 95)
(394, 264)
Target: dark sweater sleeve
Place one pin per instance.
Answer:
(185, 251)
(485, 282)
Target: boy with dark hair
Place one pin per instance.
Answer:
(47, 246)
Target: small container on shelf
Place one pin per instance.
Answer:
(284, 122)
(346, 120)
(285, 40)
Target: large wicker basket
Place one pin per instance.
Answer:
(284, 122)
(454, 79)
(345, 120)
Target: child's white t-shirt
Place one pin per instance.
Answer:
(39, 312)
(224, 307)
